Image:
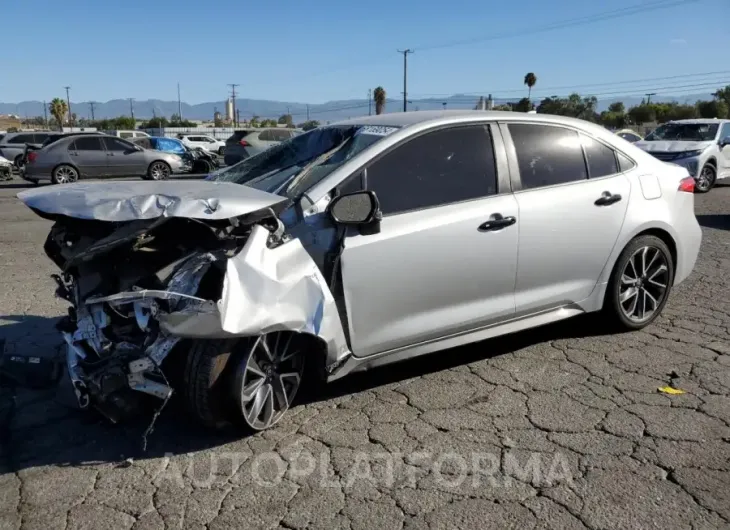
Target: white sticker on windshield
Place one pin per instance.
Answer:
(376, 130)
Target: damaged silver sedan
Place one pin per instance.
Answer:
(352, 246)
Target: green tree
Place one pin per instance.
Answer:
(309, 125)
(530, 81)
(124, 122)
(723, 94)
(286, 119)
(58, 109)
(642, 113)
(522, 105)
(574, 106)
(254, 121)
(715, 108)
(379, 98)
(612, 120)
(618, 107)
(158, 122)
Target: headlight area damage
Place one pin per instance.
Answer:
(187, 279)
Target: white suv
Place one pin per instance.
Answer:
(206, 142)
(701, 146)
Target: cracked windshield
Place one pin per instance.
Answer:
(383, 265)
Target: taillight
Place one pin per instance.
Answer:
(244, 143)
(687, 184)
(32, 156)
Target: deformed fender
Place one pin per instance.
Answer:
(267, 290)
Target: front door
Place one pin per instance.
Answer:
(87, 153)
(571, 209)
(435, 268)
(723, 170)
(123, 158)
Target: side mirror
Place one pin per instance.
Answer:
(724, 141)
(359, 208)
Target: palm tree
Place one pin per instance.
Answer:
(379, 98)
(58, 109)
(530, 80)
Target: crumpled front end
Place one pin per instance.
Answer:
(140, 289)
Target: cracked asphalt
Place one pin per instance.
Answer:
(559, 427)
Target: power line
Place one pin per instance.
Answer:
(570, 87)
(521, 32)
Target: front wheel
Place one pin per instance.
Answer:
(158, 171)
(221, 151)
(64, 174)
(254, 379)
(640, 283)
(706, 179)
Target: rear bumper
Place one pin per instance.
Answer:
(689, 241)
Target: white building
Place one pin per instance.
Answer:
(229, 110)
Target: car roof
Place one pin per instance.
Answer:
(435, 117)
(704, 121)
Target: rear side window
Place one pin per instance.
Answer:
(547, 155)
(624, 163)
(126, 134)
(90, 143)
(601, 158)
(143, 142)
(441, 167)
(39, 138)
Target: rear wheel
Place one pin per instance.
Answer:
(64, 174)
(640, 283)
(254, 379)
(706, 179)
(158, 171)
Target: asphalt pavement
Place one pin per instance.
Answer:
(559, 427)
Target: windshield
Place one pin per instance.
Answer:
(686, 132)
(295, 165)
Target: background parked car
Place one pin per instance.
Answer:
(127, 134)
(12, 145)
(94, 155)
(52, 137)
(197, 159)
(203, 141)
(248, 142)
(629, 135)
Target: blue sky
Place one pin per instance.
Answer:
(320, 50)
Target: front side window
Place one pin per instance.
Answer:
(441, 167)
(89, 143)
(601, 158)
(684, 132)
(725, 131)
(126, 134)
(547, 155)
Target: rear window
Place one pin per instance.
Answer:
(39, 138)
(51, 138)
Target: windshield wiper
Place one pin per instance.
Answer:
(314, 163)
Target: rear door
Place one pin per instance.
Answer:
(435, 269)
(572, 202)
(87, 153)
(123, 158)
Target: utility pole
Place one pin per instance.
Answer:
(131, 107)
(307, 111)
(405, 77)
(238, 117)
(179, 103)
(648, 97)
(91, 104)
(68, 103)
(370, 101)
(45, 114)
(233, 95)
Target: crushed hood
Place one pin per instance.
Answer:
(128, 201)
(671, 146)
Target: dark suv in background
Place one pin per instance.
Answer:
(12, 145)
(248, 142)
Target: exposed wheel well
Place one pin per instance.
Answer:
(664, 236)
(712, 162)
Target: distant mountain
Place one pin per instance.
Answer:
(330, 111)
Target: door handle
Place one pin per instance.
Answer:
(497, 222)
(607, 198)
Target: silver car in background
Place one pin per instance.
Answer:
(355, 245)
(97, 156)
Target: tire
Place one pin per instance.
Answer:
(707, 178)
(17, 163)
(221, 151)
(646, 281)
(230, 381)
(159, 170)
(64, 174)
